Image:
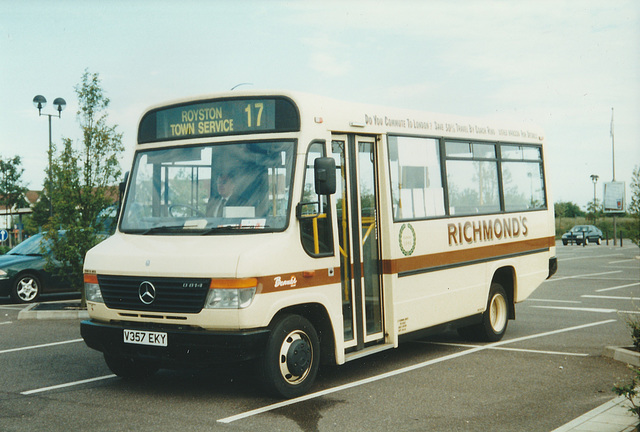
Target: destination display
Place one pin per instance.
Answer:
(219, 117)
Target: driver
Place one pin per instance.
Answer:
(226, 195)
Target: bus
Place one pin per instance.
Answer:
(294, 230)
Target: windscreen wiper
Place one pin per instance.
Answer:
(222, 229)
(233, 228)
(163, 228)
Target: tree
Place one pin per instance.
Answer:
(82, 181)
(40, 213)
(567, 209)
(12, 191)
(593, 210)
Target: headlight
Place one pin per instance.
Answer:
(231, 293)
(92, 291)
(3, 274)
(229, 298)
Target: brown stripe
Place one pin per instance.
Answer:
(425, 262)
(318, 277)
(303, 279)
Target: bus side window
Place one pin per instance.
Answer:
(523, 178)
(416, 179)
(472, 178)
(314, 216)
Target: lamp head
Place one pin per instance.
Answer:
(60, 104)
(39, 102)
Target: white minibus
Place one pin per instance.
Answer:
(295, 230)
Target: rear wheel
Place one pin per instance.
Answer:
(129, 367)
(494, 319)
(289, 364)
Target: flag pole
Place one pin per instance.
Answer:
(613, 161)
(613, 151)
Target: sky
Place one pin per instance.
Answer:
(566, 65)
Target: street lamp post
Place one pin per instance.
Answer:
(594, 179)
(39, 102)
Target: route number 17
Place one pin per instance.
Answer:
(256, 111)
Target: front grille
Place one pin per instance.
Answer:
(181, 295)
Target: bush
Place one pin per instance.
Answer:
(630, 390)
(634, 326)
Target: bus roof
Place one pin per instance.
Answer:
(318, 112)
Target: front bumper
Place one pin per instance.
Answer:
(5, 286)
(571, 239)
(184, 347)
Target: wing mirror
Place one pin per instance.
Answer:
(325, 175)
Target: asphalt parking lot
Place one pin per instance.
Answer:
(548, 370)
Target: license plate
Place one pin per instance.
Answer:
(141, 337)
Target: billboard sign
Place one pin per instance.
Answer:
(614, 197)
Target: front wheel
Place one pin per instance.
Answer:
(26, 289)
(290, 362)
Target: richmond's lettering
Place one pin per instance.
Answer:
(487, 230)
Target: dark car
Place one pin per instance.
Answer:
(579, 233)
(22, 273)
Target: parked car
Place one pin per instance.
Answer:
(22, 273)
(578, 233)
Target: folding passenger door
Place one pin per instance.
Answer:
(357, 213)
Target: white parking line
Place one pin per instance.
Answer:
(553, 301)
(610, 297)
(400, 371)
(577, 309)
(71, 384)
(581, 276)
(511, 349)
(581, 257)
(344, 387)
(40, 346)
(6, 322)
(622, 261)
(630, 312)
(618, 287)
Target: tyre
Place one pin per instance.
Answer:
(290, 362)
(494, 319)
(26, 289)
(131, 368)
(565, 242)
